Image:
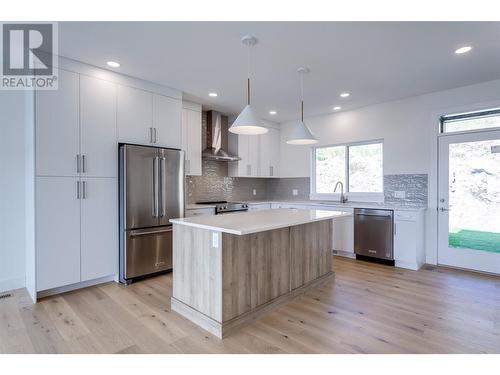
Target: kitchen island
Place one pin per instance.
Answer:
(230, 269)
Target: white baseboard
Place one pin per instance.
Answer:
(69, 288)
(7, 285)
(345, 254)
(407, 265)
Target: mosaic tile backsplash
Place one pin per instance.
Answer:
(215, 185)
(415, 187)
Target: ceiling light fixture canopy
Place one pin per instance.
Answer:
(300, 134)
(248, 122)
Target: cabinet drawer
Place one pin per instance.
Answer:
(405, 215)
(200, 212)
(259, 207)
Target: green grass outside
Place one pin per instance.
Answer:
(475, 240)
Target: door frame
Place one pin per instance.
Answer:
(488, 262)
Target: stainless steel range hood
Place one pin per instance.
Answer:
(217, 134)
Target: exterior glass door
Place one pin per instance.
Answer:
(469, 201)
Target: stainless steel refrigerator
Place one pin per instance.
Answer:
(151, 183)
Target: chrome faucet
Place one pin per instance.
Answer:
(343, 198)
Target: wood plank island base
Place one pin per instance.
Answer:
(231, 269)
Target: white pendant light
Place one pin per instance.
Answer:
(248, 122)
(300, 134)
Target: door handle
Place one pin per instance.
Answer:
(143, 233)
(155, 187)
(162, 187)
(442, 209)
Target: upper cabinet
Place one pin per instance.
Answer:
(135, 116)
(57, 128)
(247, 147)
(148, 119)
(98, 127)
(167, 123)
(270, 153)
(259, 154)
(191, 138)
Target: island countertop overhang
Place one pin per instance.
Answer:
(259, 221)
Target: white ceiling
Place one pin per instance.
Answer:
(374, 61)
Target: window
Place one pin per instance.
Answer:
(470, 121)
(358, 166)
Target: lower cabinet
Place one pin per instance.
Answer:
(99, 228)
(76, 230)
(57, 232)
(343, 235)
(409, 248)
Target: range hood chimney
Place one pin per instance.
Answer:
(217, 134)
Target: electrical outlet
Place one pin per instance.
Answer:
(295, 191)
(400, 194)
(254, 191)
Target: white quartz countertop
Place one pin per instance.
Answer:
(259, 221)
(338, 205)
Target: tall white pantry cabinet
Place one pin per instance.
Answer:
(77, 131)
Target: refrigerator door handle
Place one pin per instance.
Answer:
(162, 195)
(155, 187)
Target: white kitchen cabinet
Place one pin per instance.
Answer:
(57, 127)
(343, 235)
(98, 131)
(269, 153)
(247, 147)
(135, 116)
(57, 232)
(191, 140)
(409, 249)
(167, 121)
(99, 228)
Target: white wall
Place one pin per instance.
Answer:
(409, 129)
(12, 190)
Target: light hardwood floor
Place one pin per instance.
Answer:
(368, 308)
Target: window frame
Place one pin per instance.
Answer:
(467, 116)
(351, 196)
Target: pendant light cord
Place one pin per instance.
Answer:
(248, 75)
(302, 97)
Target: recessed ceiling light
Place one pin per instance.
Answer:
(464, 49)
(272, 112)
(337, 108)
(213, 94)
(344, 95)
(113, 64)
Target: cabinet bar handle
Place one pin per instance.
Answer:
(84, 189)
(77, 163)
(155, 135)
(271, 171)
(77, 189)
(84, 164)
(150, 135)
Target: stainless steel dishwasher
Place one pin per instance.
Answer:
(373, 233)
